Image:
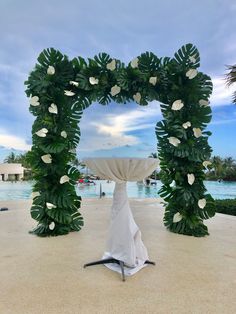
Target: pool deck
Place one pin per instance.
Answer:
(46, 275)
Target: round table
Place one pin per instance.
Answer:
(125, 251)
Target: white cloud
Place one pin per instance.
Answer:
(222, 94)
(12, 141)
(109, 131)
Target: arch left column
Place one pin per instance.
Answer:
(55, 136)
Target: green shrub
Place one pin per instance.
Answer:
(227, 206)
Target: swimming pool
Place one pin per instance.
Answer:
(22, 190)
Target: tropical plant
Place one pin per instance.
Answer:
(11, 158)
(231, 78)
(60, 89)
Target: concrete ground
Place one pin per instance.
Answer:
(46, 275)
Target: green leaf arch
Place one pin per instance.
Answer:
(73, 85)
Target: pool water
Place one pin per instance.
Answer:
(22, 190)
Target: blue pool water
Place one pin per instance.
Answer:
(22, 190)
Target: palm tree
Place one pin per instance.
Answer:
(229, 163)
(11, 158)
(231, 78)
(217, 164)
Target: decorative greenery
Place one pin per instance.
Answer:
(60, 89)
(227, 206)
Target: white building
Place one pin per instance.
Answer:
(11, 172)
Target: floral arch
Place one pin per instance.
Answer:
(59, 90)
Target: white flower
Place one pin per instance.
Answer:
(137, 97)
(68, 93)
(172, 183)
(186, 124)
(93, 80)
(192, 59)
(203, 102)
(201, 203)
(50, 205)
(134, 63)
(177, 105)
(47, 159)
(52, 225)
(111, 65)
(174, 141)
(34, 101)
(197, 132)
(191, 178)
(153, 80)
(74, 83)
(64, 179)
(35, 194)
(42, 133)
(177, 217)
(50, 70)
(53, 109)
(64, 134)
(191, 73)
(115, 90)
(206, 163)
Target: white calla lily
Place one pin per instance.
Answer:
(177, 105)
(192, 59)
(52, 225)
(203, 102)
(34, 101)
(53, 109)
(74, 83)
(191, 73)
(137, 97)
(47, 159)
(64, 179)
(153, 80)
(201, 203)
(42, 132)
(206, 163)
(51, 70)
(35, 194)
(172, 183)
(177, 217)
(134, 63)
(191, 178)
(93, 80)
(111, 65)
(69, 93)
(197, 132)
(115, 90)
(50, 205)
(64, 134)
(186, 124)
(174, 141)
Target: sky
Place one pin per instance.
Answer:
(124, 29)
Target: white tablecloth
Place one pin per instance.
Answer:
(124, 240)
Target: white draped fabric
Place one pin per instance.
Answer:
(124, 239)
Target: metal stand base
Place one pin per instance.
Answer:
(113, 260)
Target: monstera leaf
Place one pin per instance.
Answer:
(185, 53)
(77, 221)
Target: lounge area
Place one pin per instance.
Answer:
(46, 275)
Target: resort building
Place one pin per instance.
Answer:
(11, 172)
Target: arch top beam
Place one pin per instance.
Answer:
(60, 89)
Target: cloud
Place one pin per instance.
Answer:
(112, 130)
(222, 95)
(13, 142)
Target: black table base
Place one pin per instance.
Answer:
(116, 261)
